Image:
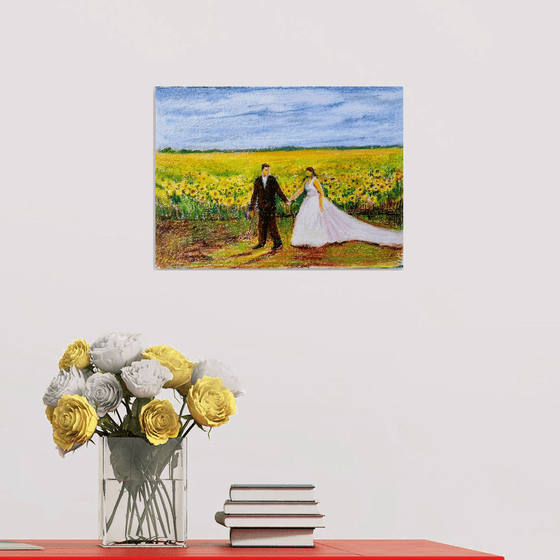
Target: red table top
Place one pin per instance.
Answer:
(207, 550)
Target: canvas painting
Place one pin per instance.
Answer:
(279, 177)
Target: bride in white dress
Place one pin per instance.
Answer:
(319, 221)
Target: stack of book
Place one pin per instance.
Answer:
(282, 515)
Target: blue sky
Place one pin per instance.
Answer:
(235, 118)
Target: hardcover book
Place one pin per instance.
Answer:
(271, 537)
(275, 521)
(271, 492)
(11, 545)
(270, 508)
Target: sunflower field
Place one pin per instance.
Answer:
(218, 185)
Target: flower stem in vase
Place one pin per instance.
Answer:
(110, 521)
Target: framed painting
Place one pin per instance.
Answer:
(279, 177)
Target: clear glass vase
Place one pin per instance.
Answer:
(142, 492)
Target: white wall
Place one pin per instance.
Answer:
(422, 403)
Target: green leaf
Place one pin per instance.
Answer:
(134, 425)
(105, 422)
(126, 423)
(138, 404)
(136, 460)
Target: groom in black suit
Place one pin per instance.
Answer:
(265, 190)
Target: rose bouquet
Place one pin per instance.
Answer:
(109, 388)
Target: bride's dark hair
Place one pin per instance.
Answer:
(312, 171)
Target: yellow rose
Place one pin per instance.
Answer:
(210, 403)
(159, 421)
(49, 412)
(73, 420)
(77, 354)
(178, 365)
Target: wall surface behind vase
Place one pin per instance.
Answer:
(423, 402)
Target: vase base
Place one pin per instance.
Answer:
(144, 544)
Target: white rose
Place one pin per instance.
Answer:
(112, 352)
(145, 378)
(67, 382)
(104, 392)
(215, 368)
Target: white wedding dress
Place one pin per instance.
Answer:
(314, 228)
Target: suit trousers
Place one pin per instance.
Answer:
(267, 224)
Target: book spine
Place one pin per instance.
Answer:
(251, 537)
(270, 495)
(274, 521)
(270, 508)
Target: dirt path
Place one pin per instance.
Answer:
(229, 245)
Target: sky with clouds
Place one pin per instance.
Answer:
(238, 118)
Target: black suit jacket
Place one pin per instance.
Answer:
(264, 198)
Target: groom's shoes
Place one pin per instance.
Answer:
(275, 247)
